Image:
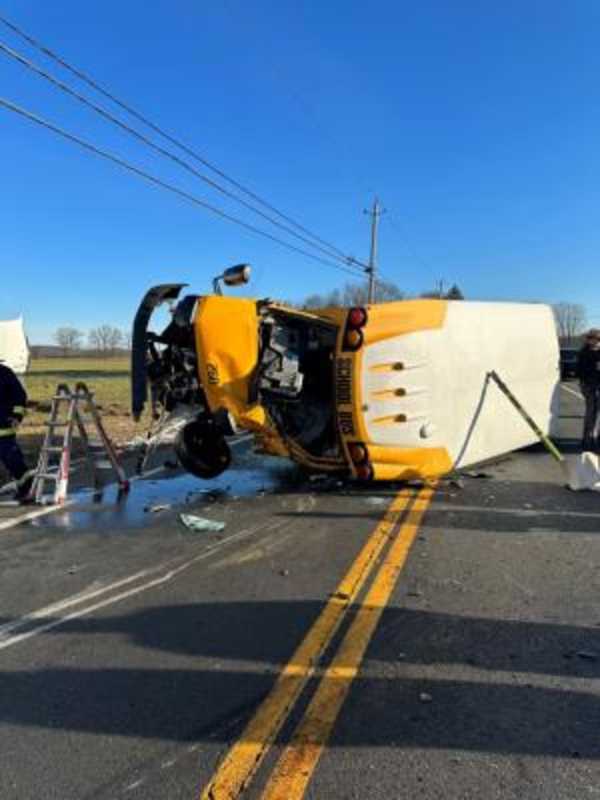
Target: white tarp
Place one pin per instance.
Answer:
(14, 350)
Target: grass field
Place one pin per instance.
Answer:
(108, 378)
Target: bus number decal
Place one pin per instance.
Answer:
(213, 374)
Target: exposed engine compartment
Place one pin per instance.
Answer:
(172, 363)
(292, 379)
(295, 378)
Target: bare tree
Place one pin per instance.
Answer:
(570, 320)
(453, 293)
(354, 294)
(316, 300)
(127, 339)
(68, 338)
(105, 339)
(387, 292)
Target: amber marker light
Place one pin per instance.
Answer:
(358, 453)
(353, 339)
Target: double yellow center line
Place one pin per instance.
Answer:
(297, 762)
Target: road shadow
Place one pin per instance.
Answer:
(219, 660)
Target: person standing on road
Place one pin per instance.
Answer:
(588, 372)
(13, 400)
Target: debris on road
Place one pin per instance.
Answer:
(195, 523)
(587, 655)
(158, 507)
(307, 503)
(425, 697)
(584, 655)
(376, 501)
(475, 474)
(340, 595)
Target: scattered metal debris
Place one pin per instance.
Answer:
(587, 655)
(340, 595)
(195, 523)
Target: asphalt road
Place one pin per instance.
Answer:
(330, 642)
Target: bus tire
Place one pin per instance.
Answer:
(202, 450)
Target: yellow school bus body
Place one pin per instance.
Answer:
(415, 393)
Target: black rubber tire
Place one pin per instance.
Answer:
(202, 450)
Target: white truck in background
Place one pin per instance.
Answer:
(14, 347)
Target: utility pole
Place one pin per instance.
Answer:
(371, 270)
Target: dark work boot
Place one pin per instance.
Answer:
(24, 488)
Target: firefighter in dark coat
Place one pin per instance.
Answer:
(13, 400)
(588, 372)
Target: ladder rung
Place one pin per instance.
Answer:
(81, 413)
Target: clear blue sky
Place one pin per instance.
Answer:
(478, 124)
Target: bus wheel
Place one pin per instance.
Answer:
(202, 450)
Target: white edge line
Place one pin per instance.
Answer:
(168, 576)
(73, 600)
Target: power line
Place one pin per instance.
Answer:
(141, 118)
(394, 220)
(149, 143)
(163, 184)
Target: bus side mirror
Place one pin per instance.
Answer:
(236, 276)
(233, 276)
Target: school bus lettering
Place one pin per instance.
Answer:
(346, 423)
(343, 381)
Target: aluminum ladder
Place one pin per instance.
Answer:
(54, 461)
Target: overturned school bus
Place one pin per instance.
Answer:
(387, 391)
